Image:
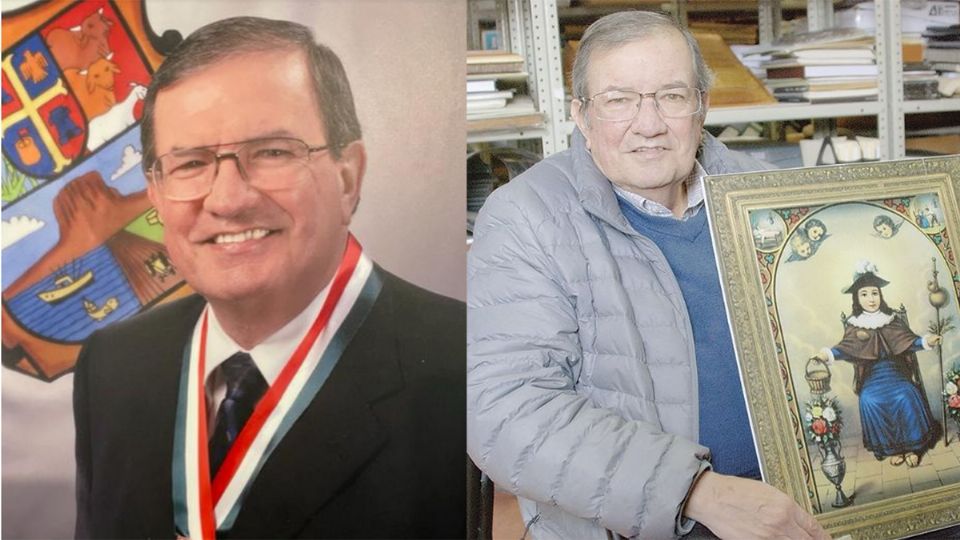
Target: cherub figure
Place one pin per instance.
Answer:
(801, 248)
(885, 227)
(806, 240)
(816, 230)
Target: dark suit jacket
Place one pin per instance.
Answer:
(379, 453)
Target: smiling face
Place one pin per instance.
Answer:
(869, 298)
(884, 230)
(649, 155)
(239, 243)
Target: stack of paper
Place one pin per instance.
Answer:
(491, 104)
(488, 99)
(518, 113)
(493, 62)
(943, 47)
(919, 82)
(752, 61)
(821, 67)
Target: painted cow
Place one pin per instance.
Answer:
(80, 46)
(94, 86)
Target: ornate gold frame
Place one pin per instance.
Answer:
(751, 304)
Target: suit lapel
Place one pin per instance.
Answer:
(135, 378)
(334, 438)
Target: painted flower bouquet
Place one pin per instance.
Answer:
(951, 393)
(822, 420)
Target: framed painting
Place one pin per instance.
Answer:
(841, 286)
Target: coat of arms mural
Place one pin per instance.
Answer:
(82, 248)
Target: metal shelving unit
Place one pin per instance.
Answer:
(516, 134)
(931, 105)
(890, 123)
(532, 29)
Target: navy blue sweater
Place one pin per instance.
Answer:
(724, 426)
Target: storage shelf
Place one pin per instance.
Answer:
(789, 111)
(532, 28)
(931, 105)
(711, 6)
(784, 111)
(506, 135)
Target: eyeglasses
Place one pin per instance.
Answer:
(621, 105)
(268, 163)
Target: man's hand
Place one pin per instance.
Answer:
(738, 508)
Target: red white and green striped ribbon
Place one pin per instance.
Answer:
(202, 506)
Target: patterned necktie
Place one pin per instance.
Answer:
(245, 387)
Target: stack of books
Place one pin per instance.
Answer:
(943, 48)
(919, 82)
(821, 67)
(491, 103)
(482, 95)
(927, 28)
(752, 61)
(830, 89)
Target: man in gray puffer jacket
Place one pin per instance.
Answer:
(595, 315)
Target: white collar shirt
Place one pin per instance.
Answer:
(694, 197)
(270, 355)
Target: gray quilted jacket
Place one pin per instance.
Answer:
(582, 381)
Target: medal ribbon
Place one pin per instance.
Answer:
(205, 506)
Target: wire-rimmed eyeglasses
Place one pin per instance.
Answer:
(622, 105)
(265, 163)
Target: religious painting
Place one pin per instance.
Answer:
(82, 248)
(841, 285)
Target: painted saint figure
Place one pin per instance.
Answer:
(894, 414)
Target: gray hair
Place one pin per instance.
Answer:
(617, 29)
(228, 37)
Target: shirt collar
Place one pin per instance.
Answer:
(271, 354)
(647, 206)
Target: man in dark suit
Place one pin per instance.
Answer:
(305, 392)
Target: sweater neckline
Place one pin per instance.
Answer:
(688, 229)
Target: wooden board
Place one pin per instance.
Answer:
(734, 84)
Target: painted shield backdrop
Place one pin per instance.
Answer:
(82, 248)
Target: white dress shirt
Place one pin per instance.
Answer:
(270, 355)
(694, 197)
